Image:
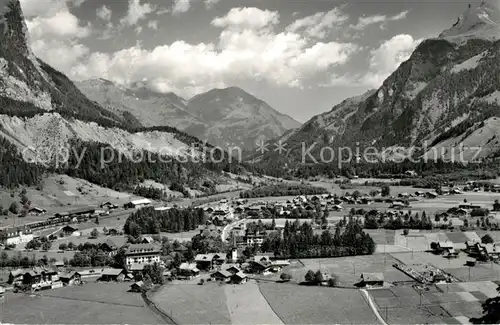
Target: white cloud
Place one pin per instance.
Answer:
(364, 22)
(247, 49)
(387, 57)
(62, 25)
(180, 6)
(248, 17)
(47, 8)
(153, 24)
(162, 12)
(136, 11)
(104, 13)
(210, 3)
(62, 55)
(319, 24)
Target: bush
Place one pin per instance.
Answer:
(487, 239)
(333, 281)
(285, 277)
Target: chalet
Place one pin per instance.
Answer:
(70, 278)
(255, 239)
(336, 208)
(469, 206)
(16, 235)
(40, 278)
(180, 249)
(411, 173)
(239, 210)
(221, 276)
(208, 261)
(35, 211)
(137, 286)
(238, 278)
(163, 208)
(446, 248)
(109, 247)
(372, 279)
(71, 231)
(188, 270)
(116, 275)
(262, 258)
(147, 240)
(137, 204)
(431, 195)
(142, 254)
(456, 191)
(419, 193)
(488, 251)
(259, 267)
(233, 269)
(109, 206)
(58, 264)
(16, 277)
(281, 263)
(82, 212)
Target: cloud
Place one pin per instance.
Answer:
(210, 3)
(60, 54)
(248, 48)
(104, 13)
(47, 8)
(180, 6)
(364, 22)
(136, 12)
(153, 24)
(163, 12)
(319, 24)
(248, 17)
(387, 57)
(62, 25)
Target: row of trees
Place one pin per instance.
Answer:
(375, 220)
(299, 241)
(282, 190)
(150, 221)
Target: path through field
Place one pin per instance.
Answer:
(246, 305)
(373, 307)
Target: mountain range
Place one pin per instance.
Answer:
(223, 117)
(444, 101)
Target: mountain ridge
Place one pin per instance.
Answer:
(227, 117)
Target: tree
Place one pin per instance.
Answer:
(386, 190)
(496, 206)
(285, 277)
(154, 272)
(63, 247)
(310, 276)
(318, 277)
(333, 281)
(14, 208)
(487, 239)
(47, 246)
(94, 233)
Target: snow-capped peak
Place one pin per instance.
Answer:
(480, 22)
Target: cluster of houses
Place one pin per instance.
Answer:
(484, 252)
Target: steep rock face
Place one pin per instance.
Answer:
(237, 118)
(442, 96)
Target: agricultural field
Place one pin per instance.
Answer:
(194, 304)
(443, 303)
(93, 303)
(349, 269)
(317, 305)
(453, 266)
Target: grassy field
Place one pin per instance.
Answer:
(93, 303)
(194, 304)
(443, 303)
(317, 305)
(347, 269)
(246, 305)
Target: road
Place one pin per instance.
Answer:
(373, 307)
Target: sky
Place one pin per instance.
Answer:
(300, 56)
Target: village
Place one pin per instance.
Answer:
(456, 243)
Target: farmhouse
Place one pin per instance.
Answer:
(81, 212)
(142, 254)
(431, 195)
(188, 270)
(239, 278)
(109, 206)
(116, 275)
(16, 235)
(137, 204)
(221, 276)
(233, 269)
(35, 211)
(70, 278)
(137, 286)
(372, 279)
(207, 261)
(16, 277)
(70, 231)
(40, 278)
(446, 248)
(255, 239)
